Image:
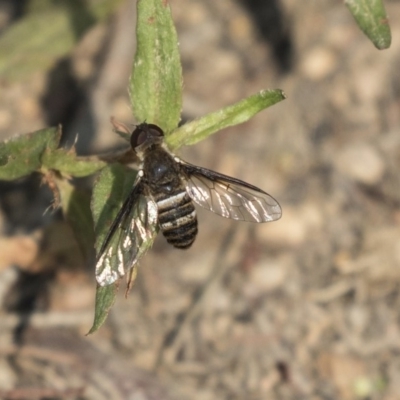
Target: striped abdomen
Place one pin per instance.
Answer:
(177, 218)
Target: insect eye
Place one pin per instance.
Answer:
(138, 137)
(155, 130)
(145, 133)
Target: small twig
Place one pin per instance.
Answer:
(331, 292)
(40, 393)
(173, 338)
(49, 319)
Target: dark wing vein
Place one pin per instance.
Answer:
(229, 197)
(131, 234)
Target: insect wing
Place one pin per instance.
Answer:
(229, 197)
(131, 234)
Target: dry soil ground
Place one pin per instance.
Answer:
(304, 308)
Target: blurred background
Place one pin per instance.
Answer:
(303, 308)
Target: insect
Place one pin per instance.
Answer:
(163, 197)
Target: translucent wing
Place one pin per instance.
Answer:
(131, 234)
(229, 197)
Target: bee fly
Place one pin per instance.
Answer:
(162, 198)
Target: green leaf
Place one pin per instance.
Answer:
(110, 190)
(105, 298)
(371, 17)
(39, 150)
(35, 42)
(113, 185)
(76, 209)
(156, 79)
(66, 162)
(200, 128)
(22, 155)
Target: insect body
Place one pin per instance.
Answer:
(176, 213)
(162, 198)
